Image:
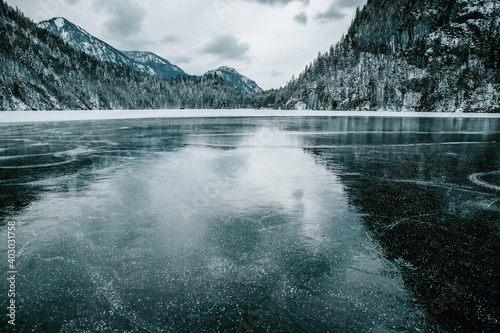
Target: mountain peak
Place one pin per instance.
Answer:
(65, 29)
(162, 67)
(141, 61)
(227, 69)
(81, 40)
(231, 76)
(59, 21)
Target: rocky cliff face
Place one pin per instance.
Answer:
(437, 55)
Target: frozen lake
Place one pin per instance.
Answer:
(252, 224)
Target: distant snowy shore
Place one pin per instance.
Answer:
(51, 116)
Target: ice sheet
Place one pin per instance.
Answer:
(45, 116)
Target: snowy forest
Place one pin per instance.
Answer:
(39, 71)
(405, 55)
(417, 55)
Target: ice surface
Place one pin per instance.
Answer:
(343, 224)
(41, 116)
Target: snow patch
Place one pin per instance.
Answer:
(59, 22)
(300, 106)
(64, 36)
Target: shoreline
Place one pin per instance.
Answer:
(9, 117)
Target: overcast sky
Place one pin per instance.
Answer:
(265, 40)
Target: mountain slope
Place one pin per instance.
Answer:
(141, 61)
(40, 71)
(231, 76)
(82, 41)
(432, 55)
(161, 67)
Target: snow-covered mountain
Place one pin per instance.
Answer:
(159, 65)
(141, 61)
(81, 40)
(418, 55)
(231, 76)
(40, 71)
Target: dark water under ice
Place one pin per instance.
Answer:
(335, 224)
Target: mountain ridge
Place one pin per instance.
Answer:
(231, 76)
(85, 42)
(141, 61)
(41, 71)
(160, 66)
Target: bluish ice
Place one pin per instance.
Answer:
(305, 224)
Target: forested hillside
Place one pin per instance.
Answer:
(39, 71)
(418, 55)
(81, 40)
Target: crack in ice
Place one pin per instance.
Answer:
(476, 179)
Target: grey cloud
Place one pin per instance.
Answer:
(335, 10)
(138, 43)
(332, 13)
(171, 39)
(350, 3)
(275, 73)
(227, 47)
(181, 59)
(124, 17)
(301, 18)
(278, 2)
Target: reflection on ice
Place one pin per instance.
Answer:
(190, 225)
